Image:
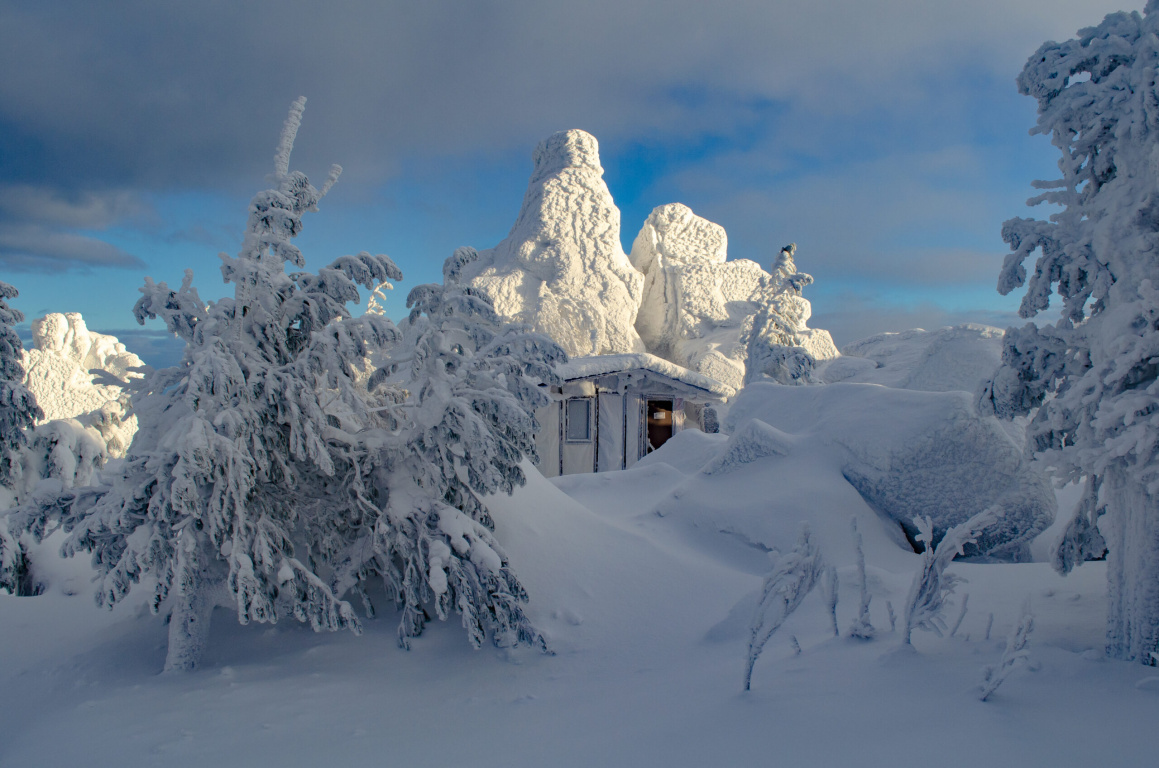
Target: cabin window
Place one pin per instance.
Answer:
(579, 420)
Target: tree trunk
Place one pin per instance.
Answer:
(1131, 528)
(194, 600)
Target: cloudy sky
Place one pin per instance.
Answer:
(886, 138)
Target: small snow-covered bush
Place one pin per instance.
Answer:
(861, 628)
(932, 585)
(793, 577)
(1016, 653)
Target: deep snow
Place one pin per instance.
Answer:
(648, 619)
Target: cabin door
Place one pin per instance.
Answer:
(659, 420)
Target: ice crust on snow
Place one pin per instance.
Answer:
(960, 357)
(63, 371)
(562, 269)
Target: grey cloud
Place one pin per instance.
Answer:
(33, 248)
(88, 210)
(191, 93)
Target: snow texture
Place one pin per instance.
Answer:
(562, 269)
(908, 453)
(961, 357)
(1092, 378)
(78, 374)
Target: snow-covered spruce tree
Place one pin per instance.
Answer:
(778, 345)
(932, 585)
(18, 414)
(1092, 378)
(472, 386)
(247, 471)
(18, 409)
(794, 576)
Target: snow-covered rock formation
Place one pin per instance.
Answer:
(75, 373)
(961, 358)
(562, 269)
(695, 304)
(699, 309)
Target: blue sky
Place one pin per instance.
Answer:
(886, 138)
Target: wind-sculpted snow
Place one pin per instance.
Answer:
(913, 454)
(822, 454)
(961, 358)
(755, 440)
(78, 374)
(562, 269)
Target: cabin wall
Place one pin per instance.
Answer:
(614, 434)
(610, 435)
(548, 438)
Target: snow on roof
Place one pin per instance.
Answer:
(602, 365)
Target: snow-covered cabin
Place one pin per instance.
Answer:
(611, 410)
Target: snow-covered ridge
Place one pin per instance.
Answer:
(951, 358)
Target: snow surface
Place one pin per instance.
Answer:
(78, 374)
(906, 453)
(649, 623)
(562, 269)
(961, 357)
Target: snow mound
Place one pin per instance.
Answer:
(696, 305)
(755, 440)
(910, 453)
(951, 358)
(562, 269)
(78, 374)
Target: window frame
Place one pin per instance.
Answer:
(567, 415)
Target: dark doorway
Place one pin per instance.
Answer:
(659, 422)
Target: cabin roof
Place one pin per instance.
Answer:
(604, 365)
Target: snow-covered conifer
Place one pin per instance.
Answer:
(1016, 653)
(778, 344)
(246, 473)
(1092, 378)
(932, 585)
(793, 576)
(861, 628)
(472, 387)
(18, 408)
(18, 414)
